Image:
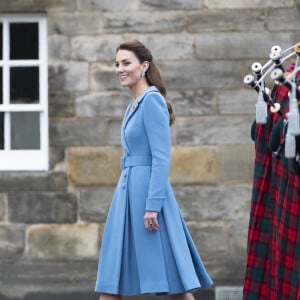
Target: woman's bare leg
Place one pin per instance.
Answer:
(183, 296)
(110, 297)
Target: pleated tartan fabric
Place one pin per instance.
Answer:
(272, 265)
(284, 277)
(288, 236)
(260, 227)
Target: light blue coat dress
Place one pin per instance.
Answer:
(132, 259)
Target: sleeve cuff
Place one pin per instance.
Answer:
(154, 204)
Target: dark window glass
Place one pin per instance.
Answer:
(24, 40)
(25, 130)
(24, 85)
(1, 130)
(1, 38)
(1, 87)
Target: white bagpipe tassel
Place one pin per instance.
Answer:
(261, 109)
(293, 129)
(290, 146)
(293, 118)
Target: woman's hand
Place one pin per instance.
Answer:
(150, 220)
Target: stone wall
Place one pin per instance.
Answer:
(51, 222)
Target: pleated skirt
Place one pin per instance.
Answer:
(135, 261)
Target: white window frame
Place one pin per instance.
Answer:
(25, 160)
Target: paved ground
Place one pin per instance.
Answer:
(201, 295)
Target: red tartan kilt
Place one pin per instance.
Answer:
(273, 262)
(288, 238)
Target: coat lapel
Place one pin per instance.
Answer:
(130, 112)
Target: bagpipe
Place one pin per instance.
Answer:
(282, 70)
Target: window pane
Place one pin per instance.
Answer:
(25, 130)
(1, 87)
(23, 40)
(24, 85)
(1, 35)
(1, 130)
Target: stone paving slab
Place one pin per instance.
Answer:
(207, 295)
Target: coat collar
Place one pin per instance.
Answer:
(147, 91)
(130, 112)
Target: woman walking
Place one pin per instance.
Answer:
(146, 246)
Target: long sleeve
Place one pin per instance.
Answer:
(156, 121)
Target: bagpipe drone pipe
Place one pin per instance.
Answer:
(283, 68)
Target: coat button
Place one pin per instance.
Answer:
(125, 175)
(124, 186)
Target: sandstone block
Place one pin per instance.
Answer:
(226, 271)
(102, 104)
(191, 165)
(38, 279)
(209, 130)
(202, 74)
(75, 241)
(238, 231)
(114, 132)
(42, 207)
(103, 77)
(175, 46)
(72, 76)
(58, 47)
(3, 201)
(225, 20)
(214, 203)
(143, 22)
(174, 4)
(91, 48)
(238, 45)
(75, 23)
(61, 105)
(75, 294)
(107, 5)
(32, 181)
(11, 240)
(296, 36)
(75, 132)
(276, 21)
(237, 102)
(193, 102)
(56, 157)
(37, 5)
(94, 166)
(212, 240)
(236, 163)
(247, 4)
(94, 203)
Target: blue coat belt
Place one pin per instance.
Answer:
(131, 161)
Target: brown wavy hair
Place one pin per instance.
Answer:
(152, 75)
